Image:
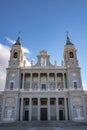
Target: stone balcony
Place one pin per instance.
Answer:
(51, 86)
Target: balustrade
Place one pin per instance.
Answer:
(50, 83)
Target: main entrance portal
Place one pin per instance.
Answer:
(43, 113)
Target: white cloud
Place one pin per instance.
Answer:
(26, 55)
(25, 50)
(10, 40)
(4, 56)
(27, 63)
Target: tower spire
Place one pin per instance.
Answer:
(68, 42)
(18, 41)
(19, 36)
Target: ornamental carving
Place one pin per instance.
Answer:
(10, 101)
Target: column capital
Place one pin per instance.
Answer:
(24, 73)
(48, 72)
(39, 73)
(63, 72)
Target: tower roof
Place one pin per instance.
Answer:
(68, 42)
(18, 41)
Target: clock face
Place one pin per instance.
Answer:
(15, 54)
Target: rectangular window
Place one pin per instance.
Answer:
(11, 85)
(52, 102)
(60, 102)
(27, 102)
(43, 86)
(75, 85)
(43, 102)
(35, 102)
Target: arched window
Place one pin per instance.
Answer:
(71, 54)
(12, 85)
(75, 84)
(15, 54)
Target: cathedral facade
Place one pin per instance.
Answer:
(43, 91)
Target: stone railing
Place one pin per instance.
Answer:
(27, 85)
(52, 85)
(43, 86)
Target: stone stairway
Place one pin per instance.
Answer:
(43, 124)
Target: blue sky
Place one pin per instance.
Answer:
(43, 25)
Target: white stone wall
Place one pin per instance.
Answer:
(10, 108)
(1, 105)
(77, 108)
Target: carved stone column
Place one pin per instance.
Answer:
(21, 112)
(30, 109)
(63, 81)
(48, 82)
(39, 81)
(65, 107)
(56, 80)
(57, 109)
(38, 108)
(23, 81)
(31, 81)
(48, 105)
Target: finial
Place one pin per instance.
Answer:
(19, 36)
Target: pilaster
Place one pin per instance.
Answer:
(57, 109)
(38, 81)
(48, 81)
(17, 108)
(70, 108)
(63, 81)
(31, 81)
(3, 108)
(38, 108)
(30, 109)
(84, 106)
(65, 106)
(21, 112)
(48, 104)
(56, 80)
(23, 81)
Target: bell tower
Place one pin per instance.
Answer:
(16, 54)
(70, 56)
(71, 63)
